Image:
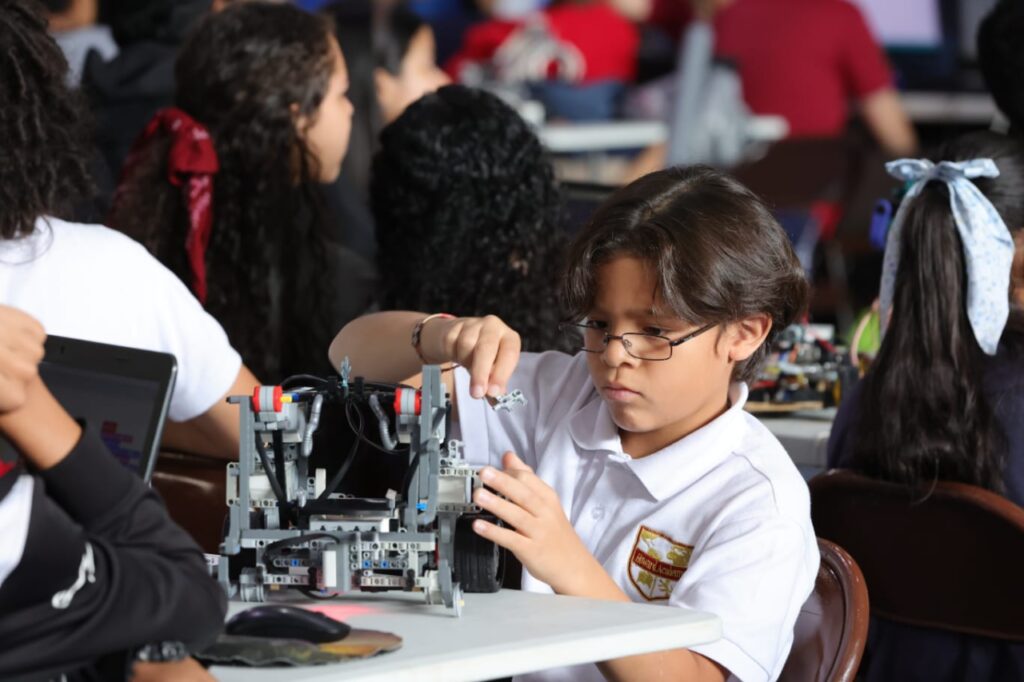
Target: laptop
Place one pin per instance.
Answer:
(124, 393)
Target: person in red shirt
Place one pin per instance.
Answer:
(810, 61)
(577, 57)
(606, 41)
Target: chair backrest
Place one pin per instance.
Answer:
(798, 173)
(193, 488)
(948, 559)
(832, 628)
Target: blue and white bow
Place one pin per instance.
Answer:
(988, 245)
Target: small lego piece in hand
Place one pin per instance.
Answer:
(507, 402)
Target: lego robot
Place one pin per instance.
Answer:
(287, 527)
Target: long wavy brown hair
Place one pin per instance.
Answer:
(242, 74)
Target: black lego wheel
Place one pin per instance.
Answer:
(478, 562)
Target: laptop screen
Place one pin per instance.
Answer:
(120, 407)
(904, 23)
(123, 393)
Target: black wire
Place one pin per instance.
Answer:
(282, 501)
(335, 481)
(296, 378)
(278, 440)
(407, 479)
(360, 436)
(385, 386)
(322, 381)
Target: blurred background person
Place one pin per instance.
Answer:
(222, 188)
(74, 25)
(391, 62)
(575, 56)
(125, 90)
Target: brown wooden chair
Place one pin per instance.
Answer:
(832, 628)
(948, 559)
(193, 488)
(834, 183)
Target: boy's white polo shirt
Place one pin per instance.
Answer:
(718, 521)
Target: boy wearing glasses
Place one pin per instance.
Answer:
(636, 474)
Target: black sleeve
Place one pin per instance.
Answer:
(103, 570)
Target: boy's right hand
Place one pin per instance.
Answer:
(21, 349)
(486, 346)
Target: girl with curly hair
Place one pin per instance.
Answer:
(461, 178)
(87, 281)
(222, 187)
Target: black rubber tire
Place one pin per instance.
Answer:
(478, 562)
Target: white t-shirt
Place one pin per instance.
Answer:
(718, 521)
(90, 282)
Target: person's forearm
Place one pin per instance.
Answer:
(215, 432)
(379, 346)
(674, 664)
(888, 121)
(41, 430)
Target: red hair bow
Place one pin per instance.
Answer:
(191, 164)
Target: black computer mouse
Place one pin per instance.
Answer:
(281, 621)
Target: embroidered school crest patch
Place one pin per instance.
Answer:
(656, 563)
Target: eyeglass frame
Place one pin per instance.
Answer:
(608, 338)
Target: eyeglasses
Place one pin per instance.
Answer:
(639, 345)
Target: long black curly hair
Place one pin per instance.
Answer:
(468, 214)
(43, 167)
(240, 74)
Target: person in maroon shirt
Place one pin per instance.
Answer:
(808, 61)
(576, 56)
(813, 62)
(606, 41)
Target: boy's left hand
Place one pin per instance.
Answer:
(540, 536)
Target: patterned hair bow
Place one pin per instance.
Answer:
(191, 164)
(988, 245)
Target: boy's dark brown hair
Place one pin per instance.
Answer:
(717, 252)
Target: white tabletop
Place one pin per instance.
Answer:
(803, 434)
(964, 108)
(565, 138)
(498, 635)
(922, 107)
